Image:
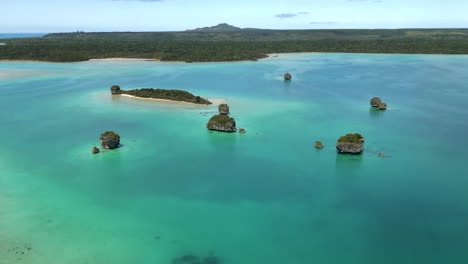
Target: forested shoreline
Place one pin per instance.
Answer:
(85, 46)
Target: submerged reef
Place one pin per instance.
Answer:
(193, 259)
(110, 140)
(350, 143)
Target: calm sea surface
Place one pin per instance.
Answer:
(268, 196)
(21, 35)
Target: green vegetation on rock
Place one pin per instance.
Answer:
(110, 140)
(350, 143)
(318, 144)
(95, 150)
(223, 109)
(351, 138)
(221, 119)
(115, 89)
(222, 123)
(375, 101)
(382, 106)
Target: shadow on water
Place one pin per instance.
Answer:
(219, 139)
(347, 163)
(375, 113)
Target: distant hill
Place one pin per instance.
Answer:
(218, 28)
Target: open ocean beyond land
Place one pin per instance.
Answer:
(21, 35)
(265, 197)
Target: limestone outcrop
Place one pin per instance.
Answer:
(223, 109)
(222, 123)
(350, 143)
(110, 140)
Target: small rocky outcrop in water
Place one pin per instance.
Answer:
(318, 145)
(223, 109)
(95, 150)
(115, 89)
(374, 102)
(287, 76)
(382, 106)
(110, 140)
(350, 143)
(377, 103)
(222, 123)
(242, 130)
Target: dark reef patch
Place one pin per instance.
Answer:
(194, 259)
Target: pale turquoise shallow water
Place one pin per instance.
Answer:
(263, 197)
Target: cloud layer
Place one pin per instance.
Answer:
(290, 15)
(322, 23)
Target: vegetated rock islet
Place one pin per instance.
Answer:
(350, 143)
(110, 140)
(222, 122)
(377, 103)
(173, 95)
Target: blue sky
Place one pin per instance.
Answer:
(165, 15)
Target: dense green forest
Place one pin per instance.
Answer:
(246, 44)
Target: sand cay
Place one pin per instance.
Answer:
(215, 101)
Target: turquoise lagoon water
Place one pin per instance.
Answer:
(21, 35)
(267, 196)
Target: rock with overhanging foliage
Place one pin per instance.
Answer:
(382, 106)
(223, 109)
(115, 89)
(95, 150)
(222, 123)
(318, 145)
(110, 140)
(374, 102)
(350, 143)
